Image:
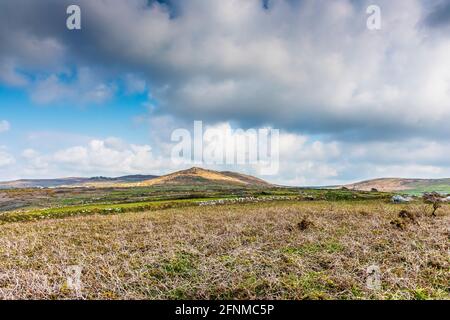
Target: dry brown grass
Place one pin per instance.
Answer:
(283, 250)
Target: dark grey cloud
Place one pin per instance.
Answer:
(439, 15)
(305, 66)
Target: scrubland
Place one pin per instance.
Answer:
(270, 250)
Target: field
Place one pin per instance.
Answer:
(283, 244)
(443, 189)
(404, 186)
(35, 204)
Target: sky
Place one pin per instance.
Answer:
(350, 103)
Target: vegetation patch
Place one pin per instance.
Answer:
(313, 248)
(234, 251)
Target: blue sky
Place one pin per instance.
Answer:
(90, 119)
(101, 120)
(350, 103)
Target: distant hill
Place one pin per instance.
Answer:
(199, 176)
(193, 176)
(73, 182)
(403, 185)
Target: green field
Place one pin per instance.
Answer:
(49, 203)
(419, 190)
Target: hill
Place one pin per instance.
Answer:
(193, 176)
(73, 182)
(199, 176)
(404, 185)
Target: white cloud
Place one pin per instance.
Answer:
(86, 88)
(4, 126)
(304, 160)
(311, 66)
(109, 157)
(6, 158)
(134, 84)
(35, 161)
(357, 104)
(10, 76)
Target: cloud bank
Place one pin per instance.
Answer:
(369, 103)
